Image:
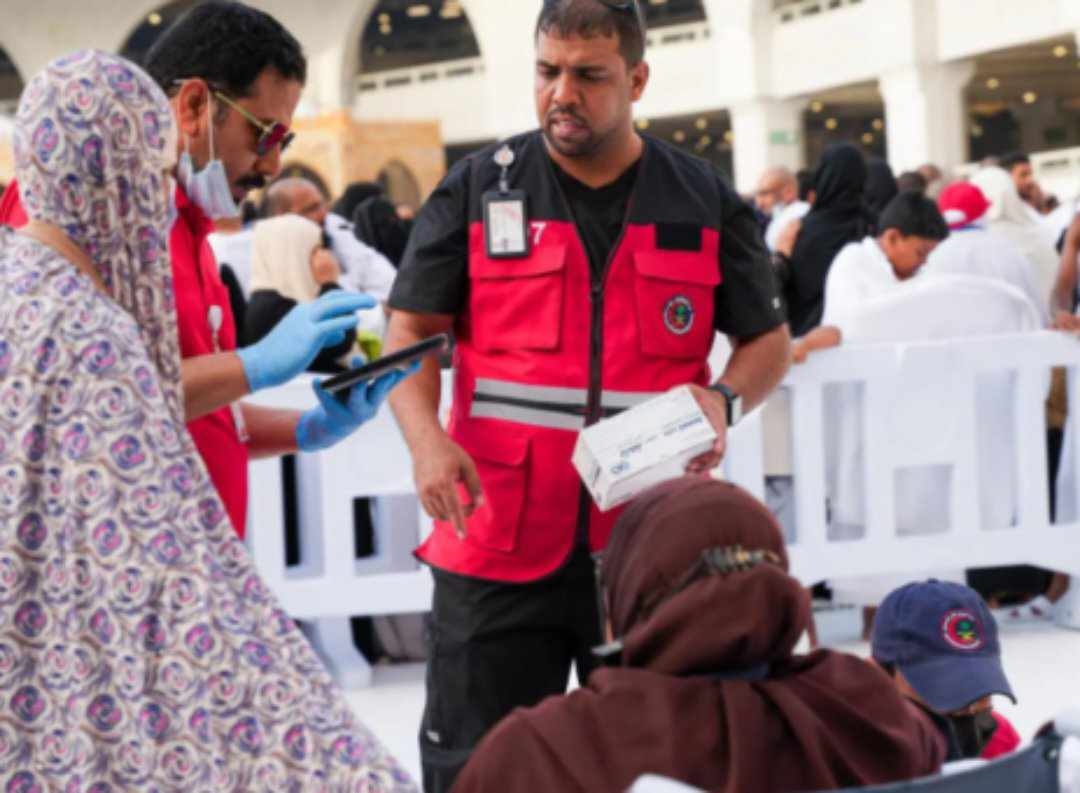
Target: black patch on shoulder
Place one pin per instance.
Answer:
(678, 236)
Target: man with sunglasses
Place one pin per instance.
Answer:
(232, 115)
(583, 268)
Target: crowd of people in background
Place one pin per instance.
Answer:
(861, 235)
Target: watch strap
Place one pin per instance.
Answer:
(729, 398)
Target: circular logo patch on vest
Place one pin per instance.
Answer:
(679, 315)
(962, 630)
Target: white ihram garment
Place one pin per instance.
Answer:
(925, 415)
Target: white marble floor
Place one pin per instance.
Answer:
(1041, 660)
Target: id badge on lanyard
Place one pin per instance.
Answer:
(215, 317)
(506, 215)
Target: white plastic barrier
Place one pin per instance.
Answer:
(330, 585)
(968, 540)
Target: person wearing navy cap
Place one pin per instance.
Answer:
(939, 643)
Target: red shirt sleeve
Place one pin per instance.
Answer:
(1005, 739)
(11, 208)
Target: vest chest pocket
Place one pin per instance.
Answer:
(675, 298)
(516, 304)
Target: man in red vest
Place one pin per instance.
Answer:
(583, 268)
(232, 114)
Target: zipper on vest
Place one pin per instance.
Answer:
(596, 337)
(594, 411)
(596, 358)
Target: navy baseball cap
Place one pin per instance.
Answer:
(943, 639)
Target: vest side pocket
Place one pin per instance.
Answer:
(517, 304)
(674, 291)
(502, 461)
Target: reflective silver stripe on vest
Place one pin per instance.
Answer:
(524, 415)
(545, 406)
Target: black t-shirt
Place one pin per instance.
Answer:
(599, 213)
(434, 274)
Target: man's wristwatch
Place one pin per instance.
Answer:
(734, 403)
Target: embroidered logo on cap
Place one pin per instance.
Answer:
(679, 315)
(962, 630)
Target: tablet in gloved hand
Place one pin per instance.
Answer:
(340, 385)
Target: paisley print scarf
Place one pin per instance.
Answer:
(139, 649)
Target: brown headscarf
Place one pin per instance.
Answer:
(709, 692)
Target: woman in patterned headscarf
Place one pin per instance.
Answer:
(138, 647)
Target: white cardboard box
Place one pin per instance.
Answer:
(651, 443)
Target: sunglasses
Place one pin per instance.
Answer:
(270, 135)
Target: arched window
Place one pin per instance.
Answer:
(706, 135)
(399, 184)
(152, 26)
(404, 33)
(1024, 98)
(672, 12)
(11, 85)
(852, 114)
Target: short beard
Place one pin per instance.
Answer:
(251, 182)
(585, 149)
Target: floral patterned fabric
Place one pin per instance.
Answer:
(139, 649)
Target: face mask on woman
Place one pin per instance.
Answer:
(973, 731)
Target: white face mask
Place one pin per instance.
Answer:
(173, 213)
(208, 189)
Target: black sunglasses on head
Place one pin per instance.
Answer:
(622, 6)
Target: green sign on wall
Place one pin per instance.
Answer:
(784, 137)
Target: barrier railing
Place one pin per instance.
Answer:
(330, 584)
(1021, 533)
(793, 10)
(416, 75)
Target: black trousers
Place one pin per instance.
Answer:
(495, 647)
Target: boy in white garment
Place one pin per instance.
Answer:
(911, 227)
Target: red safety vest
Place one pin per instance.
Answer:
(542, 351)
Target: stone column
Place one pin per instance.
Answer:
(768, 132)
(926, 115)
(504, 31)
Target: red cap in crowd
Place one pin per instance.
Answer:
(962, 203)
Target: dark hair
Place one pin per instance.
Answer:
(377, 225)
(249, 213)
(1012, 159)
(911, 180)
(592, 18)
(355, 194)
(228, 45)
(913, 215)
(805, 178)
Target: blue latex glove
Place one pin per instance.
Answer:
(331, 422)
(294, 342)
